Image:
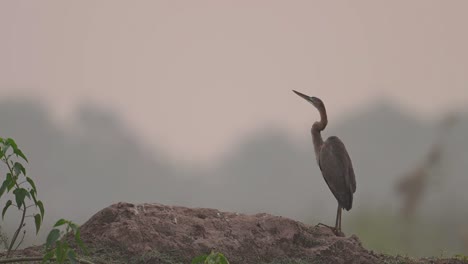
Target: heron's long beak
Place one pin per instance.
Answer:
(303, 96)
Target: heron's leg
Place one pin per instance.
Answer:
(337, 217)
(339, 223)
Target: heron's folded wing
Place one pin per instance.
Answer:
(337, 171)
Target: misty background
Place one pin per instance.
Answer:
(190, 104)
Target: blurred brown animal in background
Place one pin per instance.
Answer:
(413, 185)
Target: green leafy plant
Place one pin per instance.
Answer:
(57, 247)
(212, 258)
(23, 189)
(461, 257)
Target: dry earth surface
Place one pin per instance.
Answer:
(155, 233)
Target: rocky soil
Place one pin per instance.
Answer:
(155, 233)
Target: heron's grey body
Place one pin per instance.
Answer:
(337, 170)
(333, 160)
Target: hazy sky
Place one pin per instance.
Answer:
(193, 76)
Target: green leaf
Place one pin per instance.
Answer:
(4, 187)
(33, 195)
(2, 142)
(20, 194)
(61, 251)
(41, 208)
(72, 256)
(222, 260)
(16, 150)
(73, 226)
(216, 258)
(8, 203)
(5, 148)
(18, 167)
(53, 236)
(11, 181)
(12, 143)
(80, 243)
(31, 182)
(49, 255)
(60, 222)
(199, 260)
(37, 222)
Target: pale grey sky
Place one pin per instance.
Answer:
(193, 76)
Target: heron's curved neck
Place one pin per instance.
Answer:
(317, 127)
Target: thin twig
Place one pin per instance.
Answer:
(15, 236)
(21, 241)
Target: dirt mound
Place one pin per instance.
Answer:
(125, 233)
(173, 234)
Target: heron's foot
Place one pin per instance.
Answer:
(338, 232)
(330, 227)
(322, 224)
(335, 230)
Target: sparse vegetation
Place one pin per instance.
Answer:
(461, 257)
(24, 191)
(22, 187)
(57, 247)
(212, 258)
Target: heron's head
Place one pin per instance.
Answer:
(313, 100)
